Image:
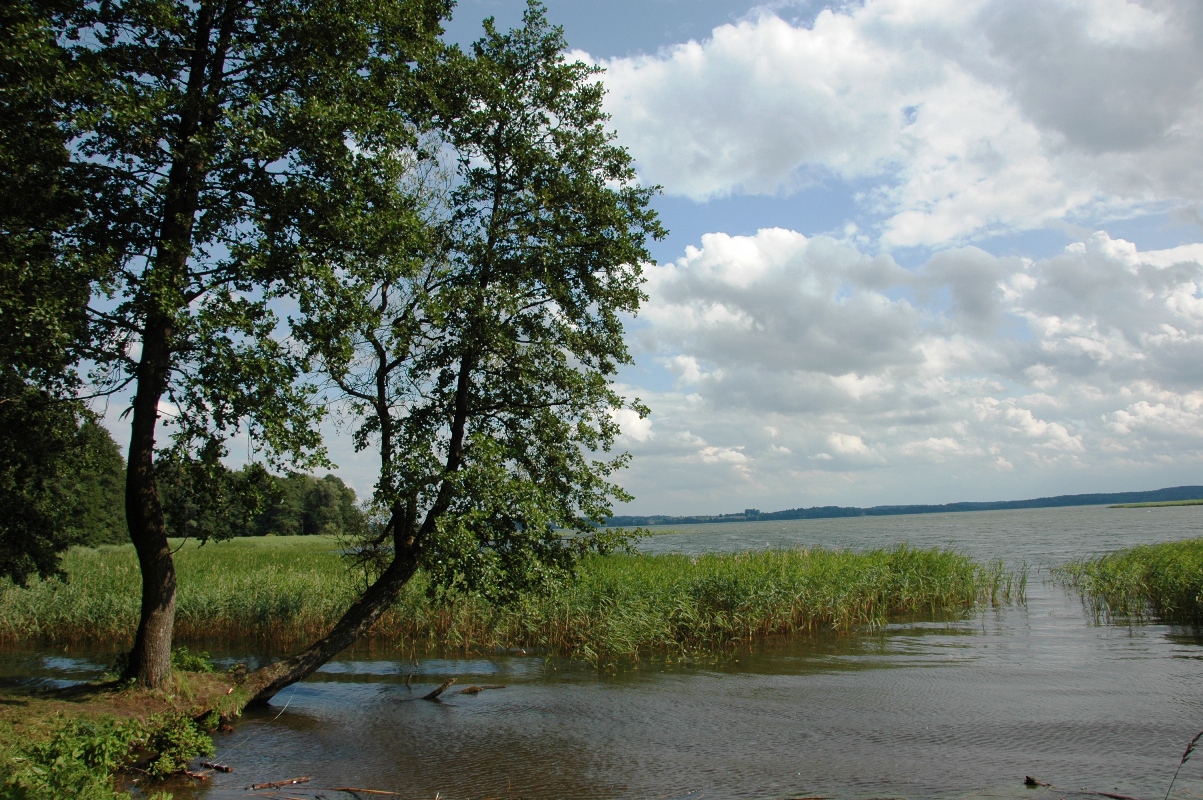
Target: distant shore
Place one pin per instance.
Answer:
(1176, 495)
(1160, 504)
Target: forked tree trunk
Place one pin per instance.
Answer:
(264, 683)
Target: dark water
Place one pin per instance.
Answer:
(917, 710)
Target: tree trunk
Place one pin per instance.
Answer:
(264, 683)
(150, 660)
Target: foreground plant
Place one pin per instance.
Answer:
(80, 757)
(1190, 748)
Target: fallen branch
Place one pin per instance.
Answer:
(1030, 781)
(365, 791)
(435, 694)
(218, 767)
(278, 784)
(479, 689)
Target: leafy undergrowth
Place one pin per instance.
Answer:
(277, 593)
(73, 743)
(1164, 581)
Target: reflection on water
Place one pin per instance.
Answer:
(915, 710)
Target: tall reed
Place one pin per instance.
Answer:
(1163, 580)
(279, 592)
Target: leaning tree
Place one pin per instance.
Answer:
(207, 128)
(473, 325)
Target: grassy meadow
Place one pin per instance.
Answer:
(275, 593)
(1163, 580)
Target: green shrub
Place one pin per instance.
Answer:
(183, 659)
(80, 757)
(77, 761)
(171, 742)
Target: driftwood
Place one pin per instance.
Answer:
(278, 784)
(364, 791)
(1030, 781)
(479, 689)
(218, 767)
(442, 688)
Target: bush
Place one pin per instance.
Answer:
(80, 757)
(187, 661)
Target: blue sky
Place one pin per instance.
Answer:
(921, 251)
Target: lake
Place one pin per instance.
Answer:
(967, 708)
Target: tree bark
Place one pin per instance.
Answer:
(150, 660)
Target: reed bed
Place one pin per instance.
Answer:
(278, 592)
(1163, 581)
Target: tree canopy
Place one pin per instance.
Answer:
(45, 282)
(477, 355)
(204, 134)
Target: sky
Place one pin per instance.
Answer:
(920, 251)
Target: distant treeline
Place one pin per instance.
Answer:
(221, 503)
(204, 501)
(828, 512)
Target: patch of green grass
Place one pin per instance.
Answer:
(1160, 505)
(624, 606)
(1160, 580)
(279, 592)
(282, 590)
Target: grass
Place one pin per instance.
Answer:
(1164, 581)
(281, 589)
(1161, 504)
(278, 592)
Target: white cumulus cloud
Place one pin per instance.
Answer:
(998, 375)
(963, 117)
